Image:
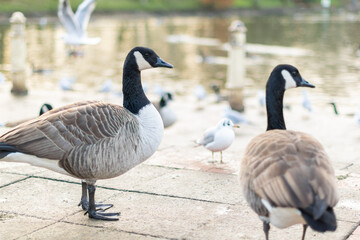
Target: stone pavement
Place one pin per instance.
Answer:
(179, 193)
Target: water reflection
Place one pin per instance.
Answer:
(333, 67)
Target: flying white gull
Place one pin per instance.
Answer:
(76, 24)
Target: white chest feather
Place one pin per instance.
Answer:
(151, 130)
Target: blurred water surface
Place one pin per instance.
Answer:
(333, 65)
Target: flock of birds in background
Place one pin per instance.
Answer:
(216, 138)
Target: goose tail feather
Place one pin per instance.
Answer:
(325, 222)
(6, 149)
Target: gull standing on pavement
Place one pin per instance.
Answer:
(219, 137)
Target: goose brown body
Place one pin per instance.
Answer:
(288, 169)
(78, 134)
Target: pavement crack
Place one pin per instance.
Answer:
(11, 183)
(352, 230)
(165, 195)
(132, 191)
(119, 230)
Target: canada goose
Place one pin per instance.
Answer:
(219, 137)
(76, 24)
(219, 96)
(286, 176)
(43, 109)
(167, 114)
(93, 140)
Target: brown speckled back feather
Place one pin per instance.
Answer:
(76, 135)
(286, 168)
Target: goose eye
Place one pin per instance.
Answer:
(146, 54)
(294, 73)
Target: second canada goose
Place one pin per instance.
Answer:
(286, 176)
(167, 114)
(93, 140)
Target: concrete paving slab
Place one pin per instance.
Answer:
(134, 177)
(6, 178)
(70, 231)
(348, 208)
(44, 198)
(216, 187)
(155, 215)
(356, 234)
(14, 226)
(238, 222)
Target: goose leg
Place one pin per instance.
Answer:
(266, 227)
(84, 202)
(304, 231)
(93, 213)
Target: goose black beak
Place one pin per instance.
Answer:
(305, 83)
(162, 63)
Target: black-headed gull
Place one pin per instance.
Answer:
(219, 137)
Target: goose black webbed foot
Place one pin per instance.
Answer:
(92, 207)
(102, 207)
(84, 202)
(102, 215)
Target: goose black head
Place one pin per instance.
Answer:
(146, 58)
(290, 78)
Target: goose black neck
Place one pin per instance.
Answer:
(134, 96)
(274, 108)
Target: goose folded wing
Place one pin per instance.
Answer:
(53, 135)
(293, 173)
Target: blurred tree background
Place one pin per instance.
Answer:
(50, 6)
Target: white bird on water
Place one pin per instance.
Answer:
(76, 24)
(219, 137)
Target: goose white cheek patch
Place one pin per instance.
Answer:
(141, 62)
(289, 80)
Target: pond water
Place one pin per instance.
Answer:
(333, 65)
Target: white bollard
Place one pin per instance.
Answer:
(236, 67)
(18, 54)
